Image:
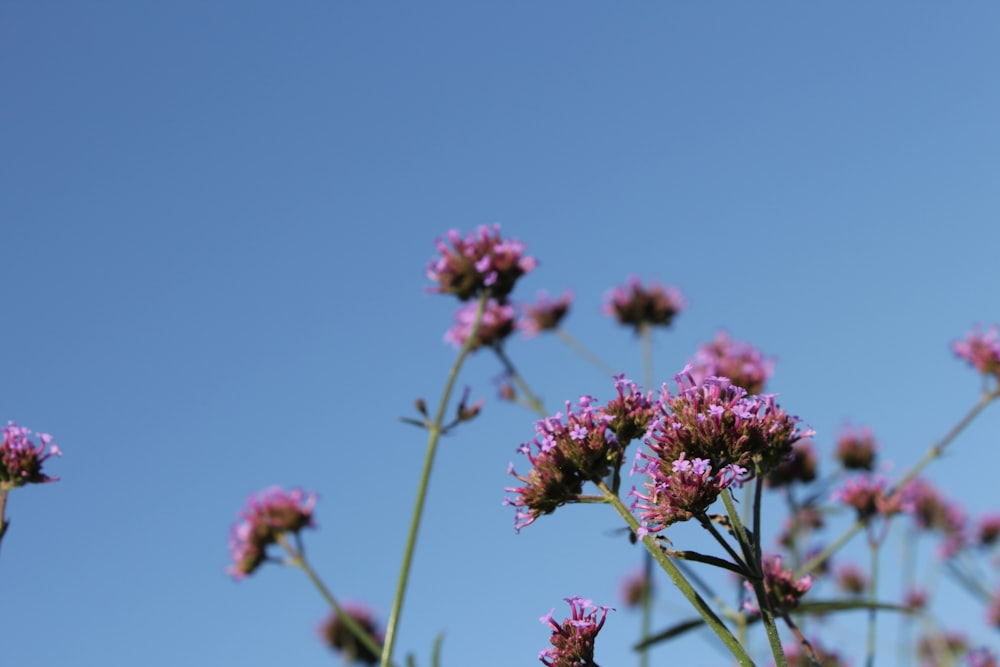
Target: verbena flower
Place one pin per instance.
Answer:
(635, 587)
(586, 447)
(988, 530)
(479, 261)
(782, 588)
(797, 656)
(980, 657)
(266, 516)
(800, 466)
(544, 315)
(856, 448)
(851, 579)
(741, 362)
(941, 648)
(497, 324)
(981, 350)
(21, 459)
(337, 636)
(573, 639)
(804, 520)
(637, 305)
(687, 490)
(869, 495)
(915, 599)
(932, 512)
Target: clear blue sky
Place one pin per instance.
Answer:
(215, 219)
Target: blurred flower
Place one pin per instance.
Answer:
(804, 521)
(741, 362)
(941, 649)
(783, 590)
(988, 530)
(868, 494)
(856, 448)
(796, 656)
(267, 516)
(636, 305)
(479, 261)
(993, 612)
(981, 350)
(573, 639)
(932, 512)
(980, 657)
(635, 587)
(587, 447)
(800, 466)
(337, 636)
(497, 324)
(851, 579)
(915, 599)
(21, 459)
(545, 315)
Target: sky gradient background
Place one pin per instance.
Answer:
(215, 220)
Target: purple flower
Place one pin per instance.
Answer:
(21, 459)
(988, 530)
(856, 448)
(796, 656)
(932, 512)
(267, 516)
(544, 315)
(573, 639)
(335, 634)
(635, 587)
(637, 305)
(687, 490)
(783, 590)
(588, 446)
(800, 466)
(980, 657)
(479, 261)
(851, 579)
(497, 324)
(741, 362)
(981, 350)
(869, 495)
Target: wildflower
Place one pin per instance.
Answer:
(796, 656)
(741, 362)
(637, 305)
(545, 315)
(851, 579)
(868, 494)
(267, 516)
(988, 530)
(800, 466)
(932, 512)
(497, 324)
(783, 590)
(573, 639)
(635, 588)
(941, 648)
(915, 599)
(806, 519)
(587, 447)
(480, 261)
(21, 459)
(686, 491)
(856, 448)
(981, 350)
(980, 657)
(335, 634)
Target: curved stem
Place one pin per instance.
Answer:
(683, 585)
(434, 435)
(933, 452)
(585, 352)
(533, 402)
(297, 558)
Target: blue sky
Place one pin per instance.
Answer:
(216, 217)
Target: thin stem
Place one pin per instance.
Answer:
(741, 536)
(584, 352)
(646, 343)
(297, 558)
(873, 546)
(4, 524)
(533, 402)
(933, 452)
(702, 607)
(434, 436)
(710, 527)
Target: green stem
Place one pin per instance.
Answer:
(4, 523)
(933, 452)
(702, 607)
(434, 436)
(297, 558)
(533, 402)
(585, 352)
(873, 546)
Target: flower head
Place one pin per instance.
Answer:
(635, 587)
(587, 446)
(479, 261)
(988, 530)
(497, 324)
(783, 590)
(267, 516)
(856, 448)
(932, 512)
(981, 350)
(741, 362)
(797, 657)
(638, 305)
(21, 459)
(870, 496)
(851, 579)
(573, 639)
(800, 466)
(544, 315)
(980, 657)
(335, 634)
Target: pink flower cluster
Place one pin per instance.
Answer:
(482, 260)
(639, 305)
(267, 516)
(21, 459)
(573, 639)
(544, 315)
(497, 324)
(335, 634)
(981, 350)
(783, 590)
(741, 362)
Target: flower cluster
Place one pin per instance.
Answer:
(636, 587)
(933, 512)
(588, 446)
(267, 516)
(573, 639)
(870, 496)
(856, 448)
(800, 466)
(482, 260)
(637, 305)
(796, 657)
(741, 362)
(981, 350)
(783, 590)
(21, 459)
(687, 490)
(544, 315)
(988, 530)
(335, 634)
(980, 657)
(497, 324)
(851, 579)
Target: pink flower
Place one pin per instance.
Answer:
(981, 350)
(21, 459)
(544, 315)
(267, 516)
(741, 362)
(573, 639)
(637, 305)
(482, 260)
